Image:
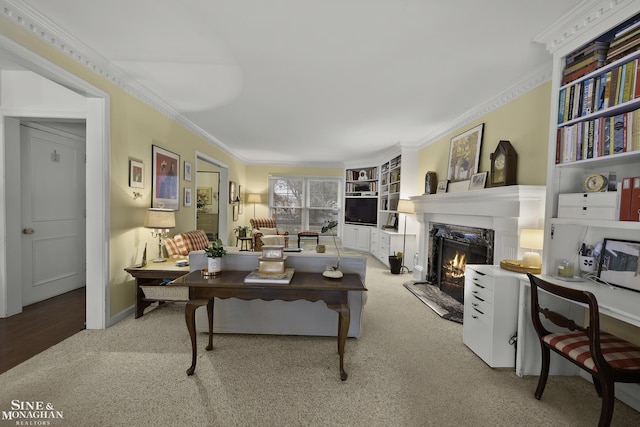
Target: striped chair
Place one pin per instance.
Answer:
(606, 357)
(266, 227)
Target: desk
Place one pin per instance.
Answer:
(152, 274)
(303, 286)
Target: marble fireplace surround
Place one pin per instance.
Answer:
(503, 209)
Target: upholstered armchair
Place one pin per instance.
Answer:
(265, 231)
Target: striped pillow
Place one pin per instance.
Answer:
(172, 248)
(191, 241)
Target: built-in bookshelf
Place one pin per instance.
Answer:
(390, 174)
(361, 182)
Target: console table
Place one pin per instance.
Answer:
(151, 274)
(303, 286)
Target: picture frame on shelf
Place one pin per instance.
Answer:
(392, 220)
(442, 186)
(619, 262)
(136, 174)
(166, 179)
(464, 154)
(478, 181)
(187, 197)
(187, 171)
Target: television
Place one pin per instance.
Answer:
(361, 210)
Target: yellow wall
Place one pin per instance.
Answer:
(524, 122)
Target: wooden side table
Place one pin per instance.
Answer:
(153, 274)
(246, 243)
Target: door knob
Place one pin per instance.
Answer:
(28, 231)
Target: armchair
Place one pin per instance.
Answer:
(266, 228)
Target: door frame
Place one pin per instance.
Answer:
(223, 196)
(96, 116)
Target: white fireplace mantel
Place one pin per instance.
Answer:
(503, 209)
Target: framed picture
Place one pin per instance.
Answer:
(235, 212)
(233, 192)
(187, 171)
(204, 194)
(240, 200)
(392, 220)
(464, 154)
(187, 196)
(478, 181)
(136, 174)
(619, 263)
(442, 186)
(166, 179)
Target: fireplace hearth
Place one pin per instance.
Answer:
(452, 248)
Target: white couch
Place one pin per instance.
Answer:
(281, 317)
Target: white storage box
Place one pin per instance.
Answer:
(588, 205)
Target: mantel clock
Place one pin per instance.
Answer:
(503, 165)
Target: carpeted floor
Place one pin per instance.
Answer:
(444, 305)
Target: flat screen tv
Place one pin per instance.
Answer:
(361, 211)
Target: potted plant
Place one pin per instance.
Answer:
(332, 271)
(242, 230)
(215, 251)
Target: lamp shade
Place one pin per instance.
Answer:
(405, 206)
(531, 239)
(254, 198)
(160, 218)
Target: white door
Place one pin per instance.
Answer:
(53, 217)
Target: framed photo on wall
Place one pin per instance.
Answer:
(187, 196)
(187, 171)
(464, 154)
(166, 179)
(235, 212)
(240, 200)
(136, 174)
(233, 192)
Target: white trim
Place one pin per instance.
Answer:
(97, 182)
(223, 193)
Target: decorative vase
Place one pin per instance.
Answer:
(215, 265)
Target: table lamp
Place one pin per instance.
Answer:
(160, 221)
(406, 207)
(254, 198)
(531, 240)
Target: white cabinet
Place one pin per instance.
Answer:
(391, 242)
(491, 314)
(356, 237)
(374, 242)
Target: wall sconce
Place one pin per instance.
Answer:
(137, 195)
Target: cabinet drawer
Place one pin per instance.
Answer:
(589, 212)
(588, 199)
(479, 280)
(383, 238)
(479, 306)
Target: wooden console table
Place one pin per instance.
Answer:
(152, 274)
(303, 286)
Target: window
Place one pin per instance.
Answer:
(304, 203)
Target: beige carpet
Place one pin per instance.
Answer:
(410, 368)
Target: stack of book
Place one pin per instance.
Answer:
(624, 42)
(630, 199)
(584, 60)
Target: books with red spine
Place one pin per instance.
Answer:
(635, 199)
(625, 199)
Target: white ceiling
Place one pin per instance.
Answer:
(313, 81)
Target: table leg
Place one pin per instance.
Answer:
(210, 318)
(344, 319)
(190, 318)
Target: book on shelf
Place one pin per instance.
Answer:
(618, 134)
(635, 199)
(625, 199)
(606, 137)
(278, 278)
(579, 73)
(589, 48)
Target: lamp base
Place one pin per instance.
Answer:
(531, 259)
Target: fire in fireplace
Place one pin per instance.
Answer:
(451, 247)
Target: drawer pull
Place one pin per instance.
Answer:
(478, 285)
(478, 310)
(475, 294)
(474, 316)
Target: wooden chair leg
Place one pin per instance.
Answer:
(597, 385)
(544, 371)
(608, 401)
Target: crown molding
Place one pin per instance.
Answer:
(41, 27)
(529, 82)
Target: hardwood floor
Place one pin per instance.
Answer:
(40, 326)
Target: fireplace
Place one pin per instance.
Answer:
(452, 248)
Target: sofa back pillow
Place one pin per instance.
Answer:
(191, 241)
